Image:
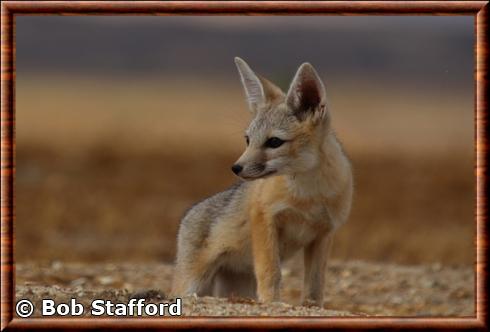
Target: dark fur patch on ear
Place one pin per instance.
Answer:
(309, 98)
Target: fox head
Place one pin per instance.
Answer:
(287, 130)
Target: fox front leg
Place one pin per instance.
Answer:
(315, 262)
(265, 250)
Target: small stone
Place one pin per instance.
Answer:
(78, 282)
(105, 280)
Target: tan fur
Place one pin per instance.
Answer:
(234, 242)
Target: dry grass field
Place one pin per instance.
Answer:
(105, 168)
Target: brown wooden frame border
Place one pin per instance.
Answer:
(9, 9)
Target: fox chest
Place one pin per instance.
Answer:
(297, 228)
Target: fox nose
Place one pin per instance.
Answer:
(236, 169)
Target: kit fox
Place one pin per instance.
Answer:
(295, 191)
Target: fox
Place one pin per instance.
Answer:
(294, 191)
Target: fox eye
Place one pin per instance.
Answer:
(273, 142)
(247, 139)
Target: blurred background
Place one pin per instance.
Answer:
(125, 122)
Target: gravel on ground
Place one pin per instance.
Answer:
(352, 289)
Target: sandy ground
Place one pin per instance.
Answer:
(352, 288)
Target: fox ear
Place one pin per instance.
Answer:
(259, 90)
(306, 94)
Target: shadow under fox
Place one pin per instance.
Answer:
(296, 190)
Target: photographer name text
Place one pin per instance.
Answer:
(98, 307)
